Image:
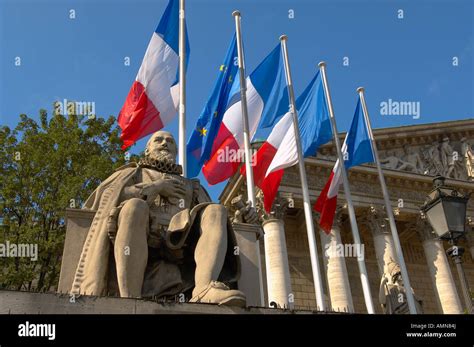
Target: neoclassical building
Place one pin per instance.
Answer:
(411, 157)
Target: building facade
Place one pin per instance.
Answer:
(411, 157)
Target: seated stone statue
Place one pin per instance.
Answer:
(392, 294)
(156, 234)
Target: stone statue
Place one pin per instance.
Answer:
(435, 167)
(390, 161)
(156, 234)
(468, 157)
(392, 294)
(447, 157)
(411, 161)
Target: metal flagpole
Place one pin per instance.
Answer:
(247, 148)
(313, 250)
(182, 88)
(350, 207)
(388, 208)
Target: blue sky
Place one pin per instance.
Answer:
(82, 59)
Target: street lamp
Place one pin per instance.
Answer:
(446, 208)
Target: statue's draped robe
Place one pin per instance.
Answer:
(394, 300)
(170, 268)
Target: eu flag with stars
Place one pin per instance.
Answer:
(200, 143)
(358, 145)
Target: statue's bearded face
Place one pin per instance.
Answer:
(161, 146)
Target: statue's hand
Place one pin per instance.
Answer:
(249, 213)
(168, 187)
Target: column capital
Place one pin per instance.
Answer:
(339, 217)
(280, 205)
(423, 228)
(377, 221)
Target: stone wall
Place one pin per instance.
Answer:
(16, 302)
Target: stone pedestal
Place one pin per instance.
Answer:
(77, 227)
(249, 282)
(336, 271)
(19, 303)
(440, 271)
(79, 221)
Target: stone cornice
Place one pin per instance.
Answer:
(415, 134)
(365, 187)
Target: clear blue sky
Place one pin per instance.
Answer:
(82, 59)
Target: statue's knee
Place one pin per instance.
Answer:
(135, 208)
(216, 212)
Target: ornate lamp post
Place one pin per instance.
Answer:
(446, 208)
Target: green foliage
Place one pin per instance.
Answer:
(45, 167)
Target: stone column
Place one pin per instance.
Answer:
(440, 271)
(335, 266)
(470, 236)
(383, 241)
(276, 255)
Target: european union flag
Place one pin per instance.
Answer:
(200, 143)
(358, 146)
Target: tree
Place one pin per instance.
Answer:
(46, 167)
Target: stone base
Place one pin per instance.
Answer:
(79, 222)
(14, 302)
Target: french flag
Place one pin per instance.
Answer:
(264, 156)
(280, 148)
(267, 98)
(327, 201)
(285, 156)
(153, 99)
(357, 150)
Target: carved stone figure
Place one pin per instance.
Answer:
(156, 233)
(391, 161)
(433, 158)
(468, 157)
(392, 294)
(411, 161)
(447, 157)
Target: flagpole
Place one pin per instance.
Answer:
(364, 278)
(388, 208)
(313, 250)
(247, 148)
(182, 88)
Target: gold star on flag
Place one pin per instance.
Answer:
(203, 131)
(222, 68)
